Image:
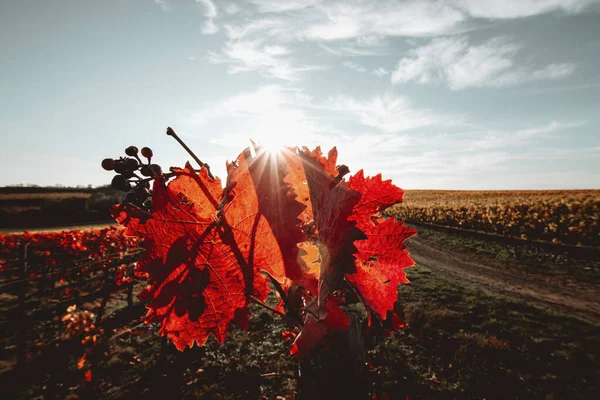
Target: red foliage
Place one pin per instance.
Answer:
(207, 245)
(353, 242)
(290, 214)
(382, 257)
(65, 257)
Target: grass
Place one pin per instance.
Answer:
(462, 342)
(250, 364)
(459, 343)
(529, 258)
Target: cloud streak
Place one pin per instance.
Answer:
(354, 66)
(210, 12)
(278, 39)
(354, 19)
(509, 9)
(269, 60)
(354, 28)
(461, 65)
(388, 113)
(381, 72)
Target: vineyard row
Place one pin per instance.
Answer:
(560, 217)
(45, 275)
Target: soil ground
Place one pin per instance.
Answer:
(556, 290)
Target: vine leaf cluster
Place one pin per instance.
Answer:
(290, 219)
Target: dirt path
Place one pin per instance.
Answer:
(559, 292)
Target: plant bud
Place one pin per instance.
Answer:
(108, 164)
(147, 152)
(131, 151)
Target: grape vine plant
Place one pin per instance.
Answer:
(288, 220)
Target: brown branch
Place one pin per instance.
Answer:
(171, 132)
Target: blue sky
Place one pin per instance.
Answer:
(456, 94)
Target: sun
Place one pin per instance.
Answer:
(272, 144)
(276, 131)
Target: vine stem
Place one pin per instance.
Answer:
(171, 132)
(257, 301)
(292, 312)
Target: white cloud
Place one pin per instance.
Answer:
(275, 28)
(278, 6)
(264, 100)
(274, 113)
(380, 72)
(262, 35)
(210, 12)
(388, 113)
(268, 60)
(269, 114)
(352, 50)
(415, 147)
(554, 71)
(369, 23)
(461, 65)
(366, 27)
(354, 66)
(352, 19)
(232, 9)
(277, 50)
(209, 27)
(471, 161)
(463, 157)
(371, 41)
(505, 9)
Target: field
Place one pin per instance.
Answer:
(484, 319)
(35, 207)
(569, 217)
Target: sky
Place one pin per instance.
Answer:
(434, 94)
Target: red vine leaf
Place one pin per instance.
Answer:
(329, 207)
(382, 256)
(207, 245)
(353, 241)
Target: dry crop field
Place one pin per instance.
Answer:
(36, 207)
(569, 217)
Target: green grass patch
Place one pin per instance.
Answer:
(529, 257)
(461, 342)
